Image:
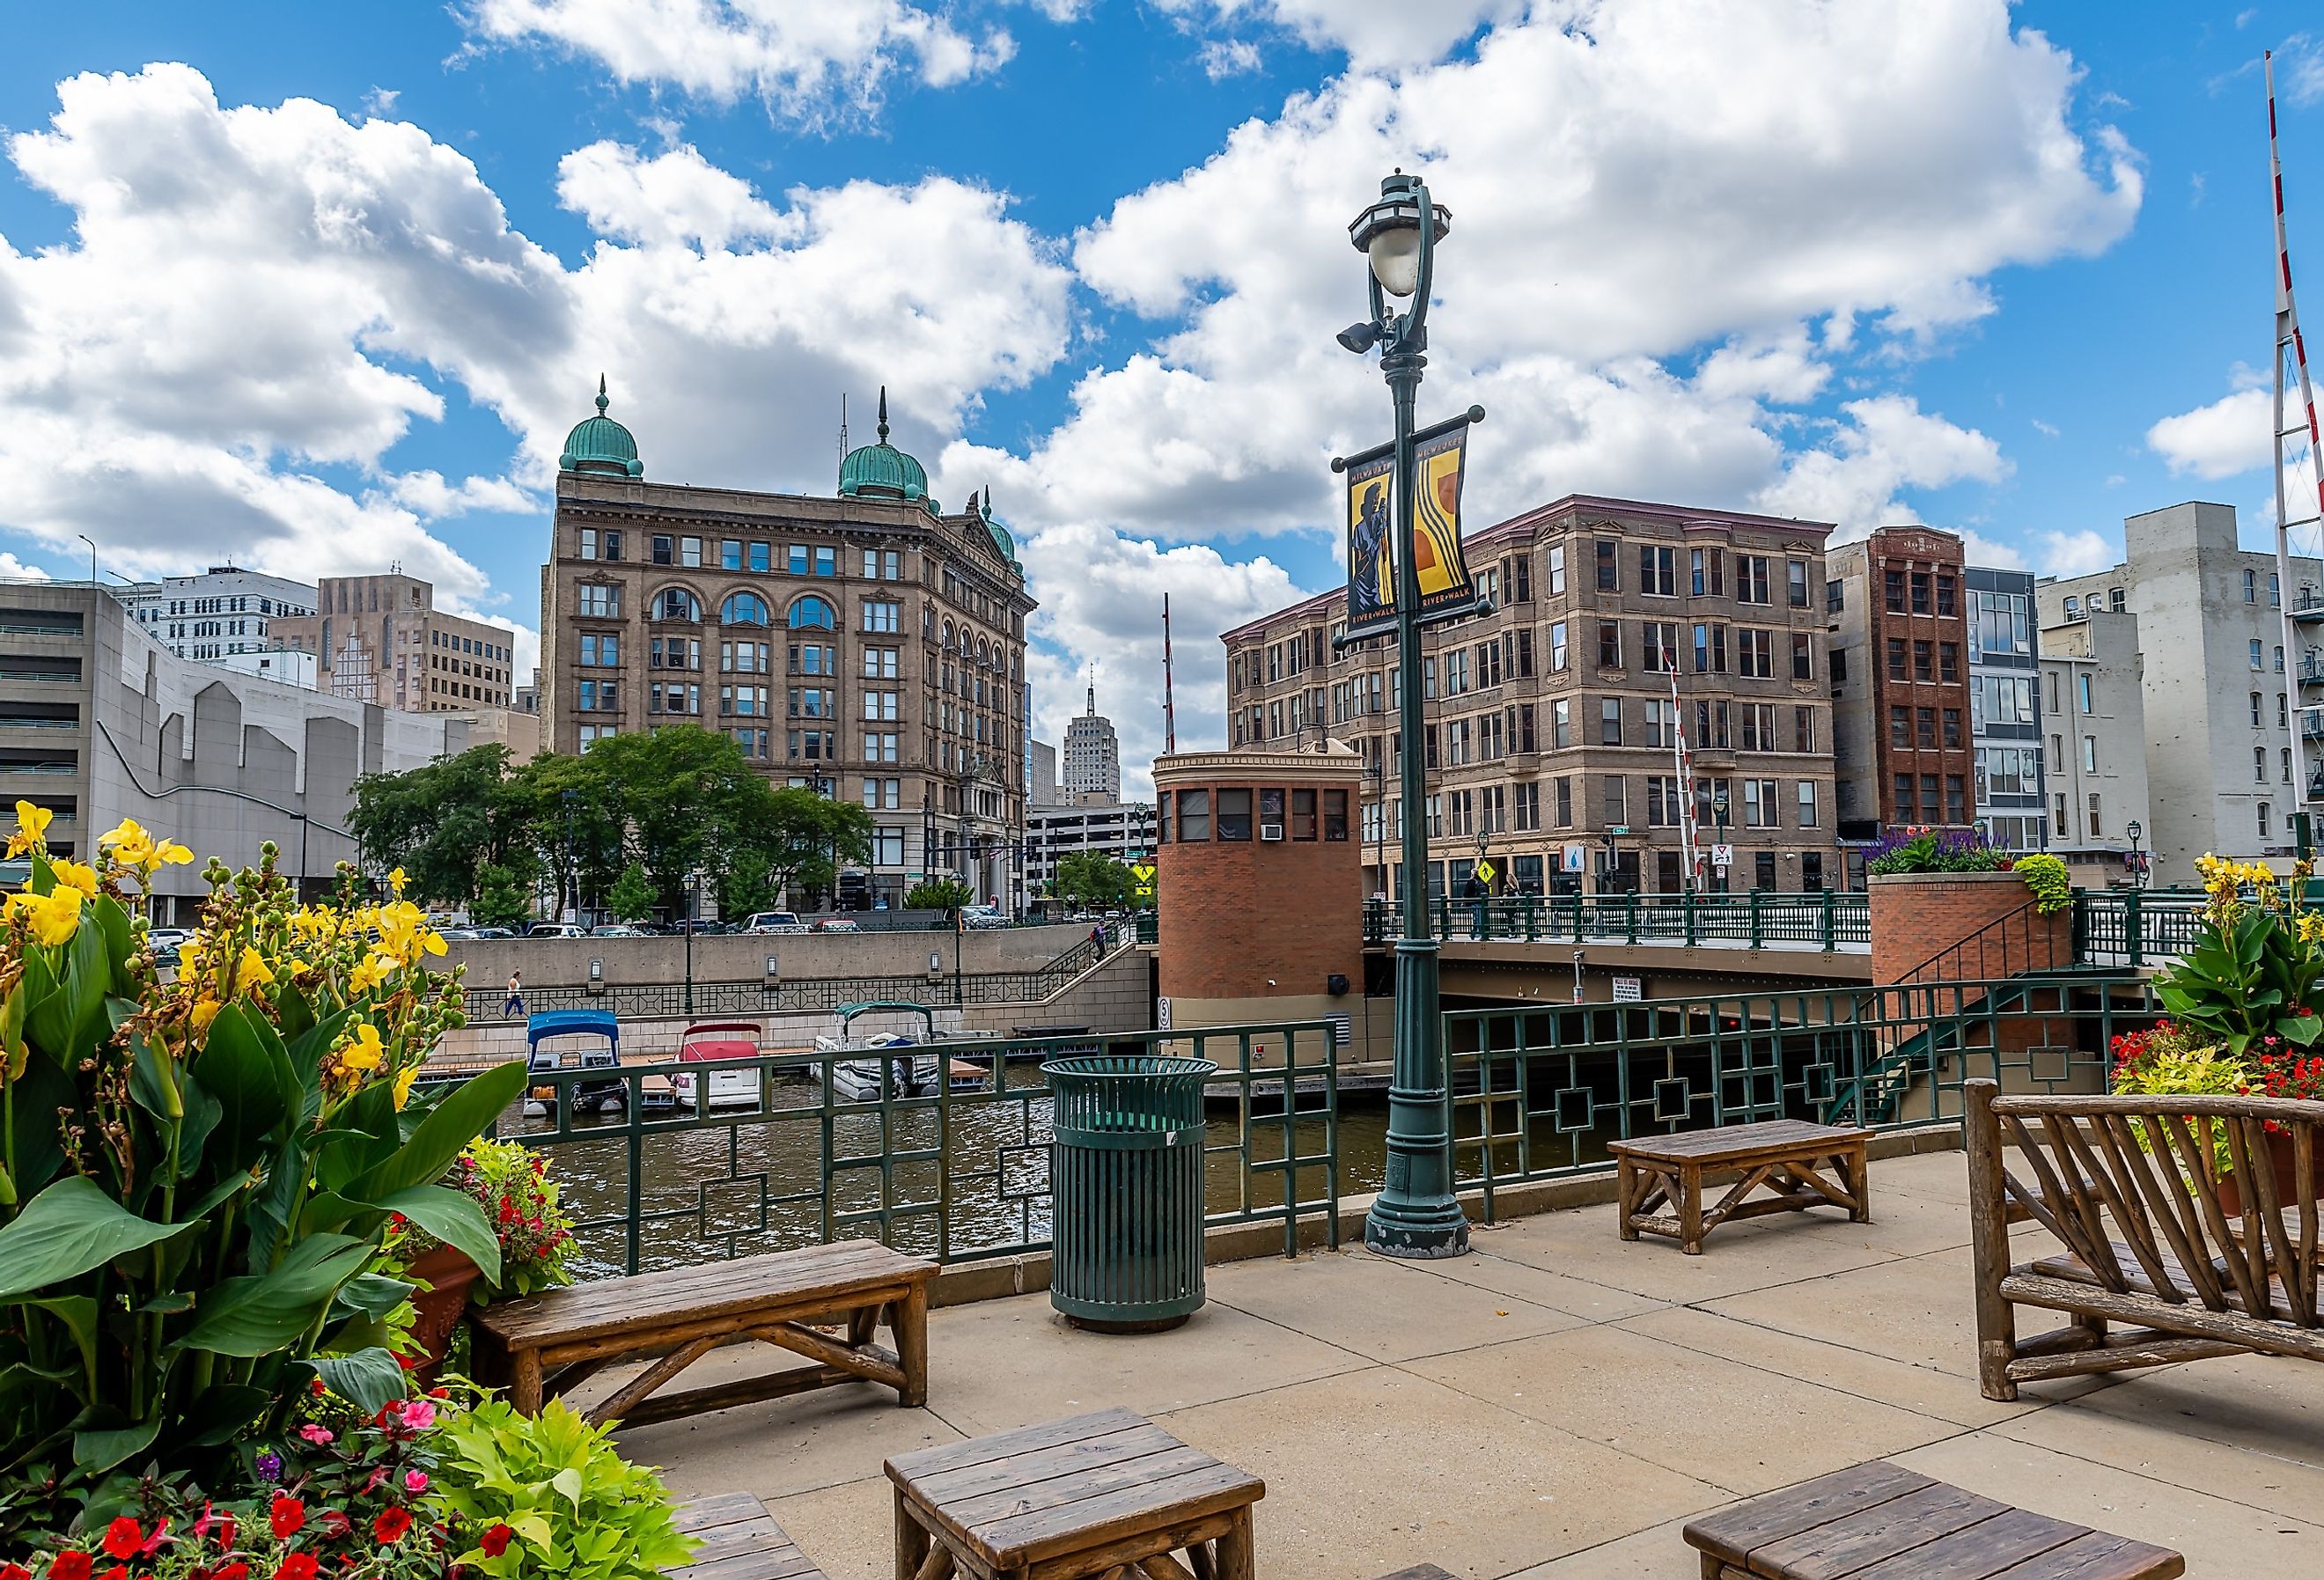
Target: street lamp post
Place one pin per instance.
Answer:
(1415, 1213)
(692, 879)
(1719, 814)
(2137, 867)
(572, 873)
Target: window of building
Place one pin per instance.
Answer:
(2262, 821)
(676, 604)
(1835, 596)
(1557, 654)
(1807, 801)
(1609, 722)
(598, 601)
(1610, 566)
(1891, 584)
(743, 609)
(2255, 650)
(601, 651)
(1755, 656)
(1662, 722)
(1838, 661)
(1709, 650)
(2089, 753)
(882, 618)
(1557, 571)
(2279, 660)
(2257, 717)
(1763, 869)
(1896, 658)
(2259, 764)
(1234, 814)
(2251, 587)
(1193, 815)
(813, 612)
(1615, 801)
(1706, 577)
(1923, 666)
(1920, 583)
(2274, 591)
(1924, 720)
(1751, 581)
(1796, 582)
(1952, 719)
(1905, 811)
(1658, 571)
(1658, 646)
(1562, 801)
(1803, 656)
(880, 745)
(1803, 730)
(1561, 724)
(1948, 662)
(1760, 809)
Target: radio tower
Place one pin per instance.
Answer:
(2290, 362)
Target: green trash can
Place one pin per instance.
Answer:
(1126, 1188)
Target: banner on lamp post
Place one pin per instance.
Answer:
(1439, 460)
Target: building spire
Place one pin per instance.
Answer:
(883, 414)
(1093, 689)
(601, 395)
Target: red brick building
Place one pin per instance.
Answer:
(1898, 659)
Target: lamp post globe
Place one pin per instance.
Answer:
(1415, 1213)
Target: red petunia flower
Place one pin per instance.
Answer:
(118, 1572)
(237, 1570)
(495, 1541)
(288, 1517)
(124, 1536)
(69, 1566)
(297, 1566)
(14, 1571)
(391, 1525)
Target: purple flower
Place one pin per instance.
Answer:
(270, 1466)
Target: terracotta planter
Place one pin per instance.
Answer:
(2287, 1188)
(444, 1276)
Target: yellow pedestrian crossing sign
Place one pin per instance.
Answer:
(1144, 872)
(1486, 871)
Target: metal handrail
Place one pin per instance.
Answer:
(1830, 920)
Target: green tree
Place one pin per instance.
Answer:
(946, 894)
(501, 901)
(633, 897)
(445, 822)
(1096, 881)
(744, 887)
(799, 839)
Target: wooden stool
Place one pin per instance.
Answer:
(737, 1539)
(1109, 1493)
(1783, 1156)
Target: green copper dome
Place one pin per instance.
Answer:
(881, 471)
(599, 444)
(1001, 538)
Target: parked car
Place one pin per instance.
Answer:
(455, 934)
(166, 941)
(975, 917)
(774, 922)
(618, 930)
(837, 924)
(492, 932)
(554, 929)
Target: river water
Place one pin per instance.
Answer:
(752, 1180)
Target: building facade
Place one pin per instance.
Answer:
(2093, 707)
(2218, 695)
(1555, 721)
(1090, 763)
(99, 722)
(865, 644)
(382, 639)
(2004, 667)
(1898, 664)
(1041, 775)
(223, 613)
(1119, 829)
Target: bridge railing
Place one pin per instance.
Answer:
(782, 1155)
(2134, 926)
(1833, 920)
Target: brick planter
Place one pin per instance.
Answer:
(1918, 917)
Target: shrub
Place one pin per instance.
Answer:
(2254, 969)
(548, 1495)
(194, 1177)
(1954, 850)
(510, 1181)
(2046, 876)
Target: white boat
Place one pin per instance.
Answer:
(708, 1044)
(897, 1073)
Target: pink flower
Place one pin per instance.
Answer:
(317, 1435)
(415, 1482)
(418, 1415)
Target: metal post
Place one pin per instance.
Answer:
(1415, 1213)
(689, 952)
(1831, 918)
(1751, 898)
(2134, 936)
(305, 824)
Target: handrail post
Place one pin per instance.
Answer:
(1631, 898)
(1757, 938)
(1828, 920)
(1688, 904)
(2134, 937)
(1445, 916)
(1533, 921)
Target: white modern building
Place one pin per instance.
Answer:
(1091, 758)
(2215, 683)
(1119, 830)
(1041, 786)
(2093, 705)
(2005, 706)
(216, 616)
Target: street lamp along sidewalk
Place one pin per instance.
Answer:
(1415, 1213)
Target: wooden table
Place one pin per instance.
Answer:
(1911, 1527)
(543, 1346)
(738, 1539)
(1784, 1156)
(1109, 1493)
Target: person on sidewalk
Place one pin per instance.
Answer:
(515, 1004)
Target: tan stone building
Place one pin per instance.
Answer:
(1553, 728)
(865, 645)
(382, 639)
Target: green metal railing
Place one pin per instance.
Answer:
(1537, 1093)
(1834, 919)
(2134, 926)
(958, 1176)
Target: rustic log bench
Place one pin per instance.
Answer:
(2144, 1234)
(794, 1300)
(1881, 1518)
(1783, 1156)
(738, 1539)
(1109, 1493)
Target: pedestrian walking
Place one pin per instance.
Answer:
(515, 1004)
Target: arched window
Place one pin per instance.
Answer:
(947, 634)
(812, 611)
(743, 609)
(676, 604)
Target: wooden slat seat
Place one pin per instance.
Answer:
(540, 1347)
(1880, 1522)
(1784, 1157)
(738, 1539)
(1104, 1493)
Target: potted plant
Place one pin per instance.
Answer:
(511, 1183)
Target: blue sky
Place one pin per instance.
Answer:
(320, 287)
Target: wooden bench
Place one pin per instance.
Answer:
(1784, 1156)
(1881, 1518)
(738, 1539)
(1109, 1493)
(825, 1302)
(2142, 1236)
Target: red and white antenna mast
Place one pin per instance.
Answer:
(2290, 362)
(1169, 704)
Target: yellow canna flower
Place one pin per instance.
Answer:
(371, 971)
(54, 917)
(169, 852)
(396, 881)
(74, 875)
(403, 1080)
(129, 844)
(204, 1011)
(253, 970)
(32, 827)
(363, 1052)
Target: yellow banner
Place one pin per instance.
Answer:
(1439, 461)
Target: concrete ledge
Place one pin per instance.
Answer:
(1002, 1277)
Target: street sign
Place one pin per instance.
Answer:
(1144, 873)
(1486, 871)
(1161, 1013)
(1722, 856)
(1576, 858)
(1628, 990)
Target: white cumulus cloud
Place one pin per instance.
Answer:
(2230, 434)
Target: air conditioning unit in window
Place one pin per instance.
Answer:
(1270, 830)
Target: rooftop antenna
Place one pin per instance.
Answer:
(2290, 364)
(1093, 689)
(843, 425)
(1169, 706)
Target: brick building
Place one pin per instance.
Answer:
(900, 632)
(382, 639)
(1902, 729)
(1553, 728)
